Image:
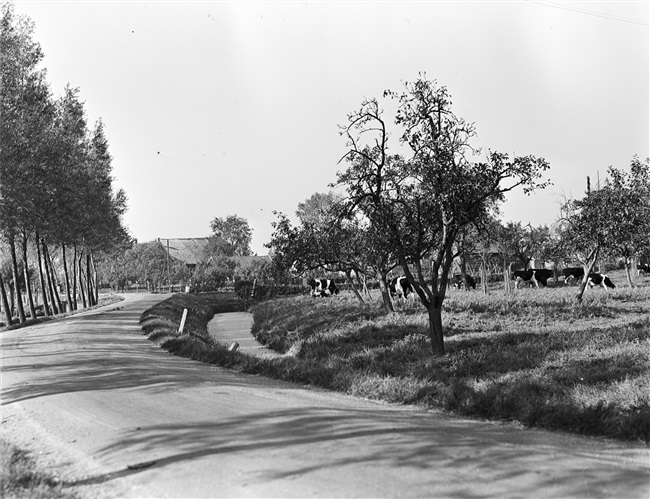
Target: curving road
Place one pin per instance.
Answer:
(119, 417)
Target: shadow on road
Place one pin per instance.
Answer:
(383, 438)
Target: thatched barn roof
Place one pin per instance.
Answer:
(192, 250)
(187, 250)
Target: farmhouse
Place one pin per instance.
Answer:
(191, 251)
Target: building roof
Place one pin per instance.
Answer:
(187, 250)
(192, 250)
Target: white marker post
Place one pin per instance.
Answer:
(180, 328)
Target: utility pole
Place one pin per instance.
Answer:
(169, 277)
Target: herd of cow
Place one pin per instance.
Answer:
(400, 287)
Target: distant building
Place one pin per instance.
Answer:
(191, 251)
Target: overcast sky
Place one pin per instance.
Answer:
(220, 108)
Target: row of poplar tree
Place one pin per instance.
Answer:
(56, 190)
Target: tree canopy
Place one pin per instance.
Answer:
(422, 201)
(231, 236)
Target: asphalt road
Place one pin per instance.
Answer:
(117, 416)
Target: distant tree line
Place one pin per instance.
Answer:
(58, 207)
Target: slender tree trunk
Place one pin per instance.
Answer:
(348, 278)
(12, 300)
(386, 301)
(484, 278)
(48, 276)
(81, 281)
(54, 283)
(5, 302)
(361, 281)
(28, 283)
(587, 268)
(627, 273)
(89, 284)
(67, 278)
(46, 303)
(463, 270)
(74, 276)
(95, 283)
(435, 327)
(14, 269)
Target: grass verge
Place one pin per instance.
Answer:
(20, 478)
(533, 356)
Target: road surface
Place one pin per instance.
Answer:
(117, 416)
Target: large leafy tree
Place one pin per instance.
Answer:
(26, 110)
(231, 236)
(630, 197)
(421, 203)
(55, 183)
(613, 219)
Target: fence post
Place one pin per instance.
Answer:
(180, 328)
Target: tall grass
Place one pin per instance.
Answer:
(532, 356)
(20, 477)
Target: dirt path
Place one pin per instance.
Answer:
(118, 416)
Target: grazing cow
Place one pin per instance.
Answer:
(533, 276)
(457, 281)
(600, 280)
(643, 268)
(400, 287)
(323, 287)
(573, 275)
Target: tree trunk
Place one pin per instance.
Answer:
(587, 268)
(435, 327)
(14, 270)
(348, 278)
(46, 303)
(627, 273)
(48, 276)
(74, 277)
(54, 284)
(385, 293)
(484, 281)
(12, 300)
(95, 283)
(67, 279)
(5, 302)
(89, 284)
(507, 285)
(28, 284)
(463, 270)
(81, 281)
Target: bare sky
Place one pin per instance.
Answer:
(220, 108)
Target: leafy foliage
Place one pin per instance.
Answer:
(613, 219)
(231, 236)
(420, 204)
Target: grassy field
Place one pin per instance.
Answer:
(532, 356)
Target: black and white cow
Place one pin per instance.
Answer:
(457, 281)
(532, 276)
(643, 268)
(400, 288)
(323, 287)
(600, 280)
(572, 275)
